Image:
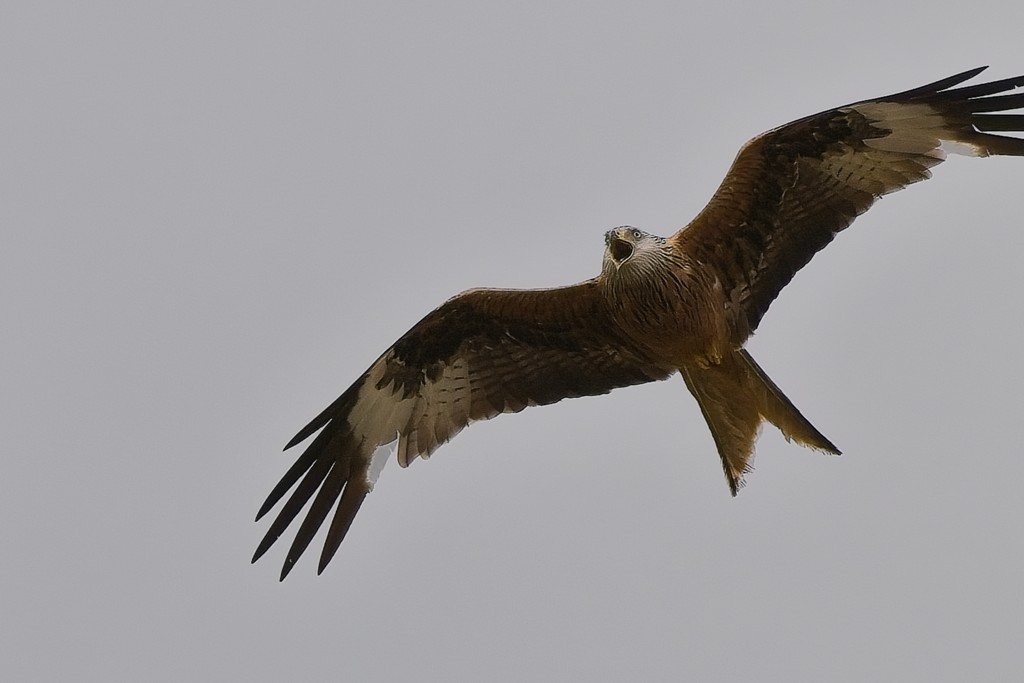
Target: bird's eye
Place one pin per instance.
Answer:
(636, 234)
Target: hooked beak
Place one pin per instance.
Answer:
(618, 248)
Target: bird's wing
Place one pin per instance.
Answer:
(482, 353)
(790, 190)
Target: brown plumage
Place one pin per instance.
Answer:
(683, 304)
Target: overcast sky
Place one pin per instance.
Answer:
(216, 215)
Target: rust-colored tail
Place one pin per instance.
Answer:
(735, 396)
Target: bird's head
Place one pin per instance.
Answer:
(628, 249)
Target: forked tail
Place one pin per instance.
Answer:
(735, 396)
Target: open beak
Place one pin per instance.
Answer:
(619, 249)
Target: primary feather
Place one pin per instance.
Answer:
(683, 304)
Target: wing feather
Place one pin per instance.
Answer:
(487, 352)
(791, 190)
(482, 353)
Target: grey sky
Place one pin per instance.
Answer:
(216, 215)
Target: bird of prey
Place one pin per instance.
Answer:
(660, 306)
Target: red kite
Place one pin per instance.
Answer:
(682, 304)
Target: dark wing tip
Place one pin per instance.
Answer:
(942, 84)
(325, 468)
(351, 500)
(286, 569)
(337, 409)
(324, 465)
(304, 433)
(262, 548)
(329, 491)
(307, 461)
(267, 506)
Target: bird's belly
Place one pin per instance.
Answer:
(686, 334)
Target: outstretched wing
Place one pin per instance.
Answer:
(482, 353)
(790, 190)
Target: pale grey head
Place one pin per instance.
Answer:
(630, 251)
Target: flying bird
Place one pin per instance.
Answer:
(683, 304)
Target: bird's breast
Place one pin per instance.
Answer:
(677, 318)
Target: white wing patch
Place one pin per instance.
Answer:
(421, 423)
(376, 418)
(963, 148)
(915, 129)
(441, 410)
(380, 457)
